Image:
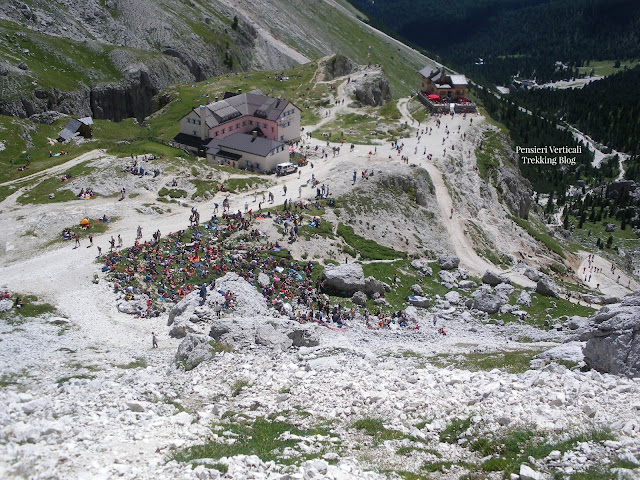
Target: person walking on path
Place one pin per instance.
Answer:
(154, 340)
(77, 238)
(90, 241)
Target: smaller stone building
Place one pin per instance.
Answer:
(250, 152)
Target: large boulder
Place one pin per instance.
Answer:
(268, 336)
(374, 91)
(422, 266)
(493, 278)
(524, 299)
(303, 336)
(193, 350)
(373, 286)
(485, 302)
(613, 341)
(337, 66)
(347, 278)
(248, 301)
(448, 262)
(419, 301)
(547, 288)
(359, 298)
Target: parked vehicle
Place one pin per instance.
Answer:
(285, 169)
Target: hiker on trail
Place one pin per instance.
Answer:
(139, 233)
(154, 340)
(203, 293)
(354, 177)
(90, 241)
(77, 238)
(300, 191)
(119, 240)
(284, 187)
(112, 243)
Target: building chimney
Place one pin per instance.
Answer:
(254, 134)
(239, 91)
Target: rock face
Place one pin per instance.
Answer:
(448, 262)
(492, 278)
(344, 278)
(613, 342)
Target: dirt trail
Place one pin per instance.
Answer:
(56, 169)
(606, 281)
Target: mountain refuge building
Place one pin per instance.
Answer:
(245, 130)
(441, 91)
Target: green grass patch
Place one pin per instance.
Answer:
(238, 386)
(488, 154)
(137, 363)
(511, 362)
(39, 193)
(367, 249)
(32, 307)
(62, 380)
(172, 192)
(514, 448)
(261, 438)
(374, 428)
(455, 429)
(539, 233)
(219, 347)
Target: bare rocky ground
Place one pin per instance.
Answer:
(85, 395)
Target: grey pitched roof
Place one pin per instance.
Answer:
(70, 130)
(458, 80)
(254, 103)
(244, 142)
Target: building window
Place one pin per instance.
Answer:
(216, 134)
(264, 125)
(271, 129)
(223, 130)
(195, 134)
(231, 128)
(250, 122)
(237, 125)
(281, 138)
(244, 123)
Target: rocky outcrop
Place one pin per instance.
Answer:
(374, 91)
(193, 350)
(613, 341)
(547, 288)
(275, 333)
(359, 298)
(422, 266)
(344, 278)
(337, 66)
(486, 302)
(419, 301)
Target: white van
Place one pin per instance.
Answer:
(285, 168)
